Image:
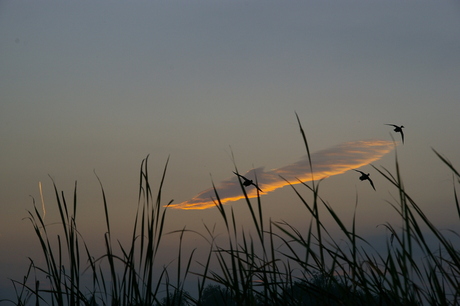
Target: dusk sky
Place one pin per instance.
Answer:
(96, 86)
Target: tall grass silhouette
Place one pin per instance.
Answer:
(271, 263)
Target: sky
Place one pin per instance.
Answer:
(95, 86)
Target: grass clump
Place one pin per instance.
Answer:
(277, 265)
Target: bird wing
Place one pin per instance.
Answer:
(372, 183)
(245, 179)
(402, 136)
(255, 185)
(359, 171)
(391, 124)
(241, 176)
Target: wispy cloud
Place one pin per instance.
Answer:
(332, 161)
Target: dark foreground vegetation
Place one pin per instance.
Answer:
(274, 264)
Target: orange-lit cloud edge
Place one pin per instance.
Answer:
(325, 163)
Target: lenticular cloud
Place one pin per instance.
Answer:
(332, 161)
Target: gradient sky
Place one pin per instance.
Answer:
(98, 85)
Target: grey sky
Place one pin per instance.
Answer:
(98, 85)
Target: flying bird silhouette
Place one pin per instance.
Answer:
(364, 177)
(248, 182)
(398, 129)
